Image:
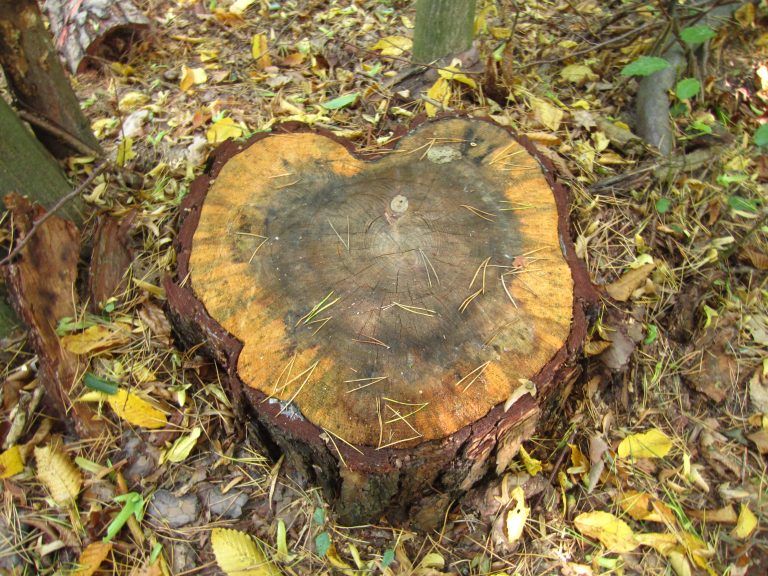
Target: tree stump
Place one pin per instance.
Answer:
(388, 317)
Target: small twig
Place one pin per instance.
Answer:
(64, 199)
(70, 139)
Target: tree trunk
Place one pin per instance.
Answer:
(85, 30)
(443, 27)
(38, 82)
(27, 169)
(396, 322)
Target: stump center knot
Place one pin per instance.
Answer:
(398, 206)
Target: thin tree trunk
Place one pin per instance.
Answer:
(443, 27)
(37, 79)
(26, 168)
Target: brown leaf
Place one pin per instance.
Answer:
(623, 288)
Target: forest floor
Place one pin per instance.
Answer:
(678, 251)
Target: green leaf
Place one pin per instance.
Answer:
(322, 543)
(319, 516)
(728, 179)
(387, 558)
(644, 66)
(761, 136)
(693, 35)
(96, 383)
(652, 335)
(341, 101)
(700, 127)
(743, 204)
(133, 505)
(663, 205)
(687, 88)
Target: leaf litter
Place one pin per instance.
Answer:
(672, 457)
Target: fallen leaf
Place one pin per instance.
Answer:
(341, 101)
(222, 130)
(11, 462)
(192, 76)
(547, 114)
(237, 554)
(98, 337)
(724, 515)
(58, 474)
(181, 447)
(679, 563)
(135, 410)
(91, 558)
(517, 516)
(578, 74)
(613, 533)
(651, 444)
(644, 506)
(132, 100)
(745, 525)
(630, 281)
(532, 465)
(760, 438)
(393, 45)
(260, 51)
(662, 543)
(439, 92)
(238, 7)
(452, 72)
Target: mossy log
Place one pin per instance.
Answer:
(389, 317)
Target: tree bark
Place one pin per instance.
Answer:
(88, 29)
(388, 318)
(26, 168)
(37, 79)
(443, 27)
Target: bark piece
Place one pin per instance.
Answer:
(85, 30)
(41, 284)
(377, 313)
(37, 79)
(110, 260)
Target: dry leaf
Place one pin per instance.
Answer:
(662, 543)
(613, 533)
(440, 92)
(517, 516)
(132, 100)
(644, 506)
(547, 114)
(532, 465)
(135, 410)
(192, 76)
(91, 558)
(237, 554)
(745, 525)
(724, 515)
(58, 474)
(679, 563)
(11, 462)
(181, 448)
(98, 337)
(623, 288)
(452, 72)
(222, 130)
(260, 51)
(393, 45)
(651, 444)
(239, 7)
(578, 74)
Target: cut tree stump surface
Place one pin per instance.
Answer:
(375, 308)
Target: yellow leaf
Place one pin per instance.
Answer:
(517, 516)
(532, 465)
(125, 151)
(579, 462)
(237, 554)
(222, 130)
(260, 51)
(132, 100)
(239, 7)
(11, 462)
(643, 506)
(135, 410)
(452, 73)
(393, 45)
(440, 92)
(724, 515)
(651, 444)
(501, 33)
(613, 533)
(58, 474)
(746, 15)
(577, 73)
(336, 561)
(98, 337)
(662, 543)
(745, 525)
(679, 563)
(181, 448)
(91, 558)
(192, 76)
(547, 114)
